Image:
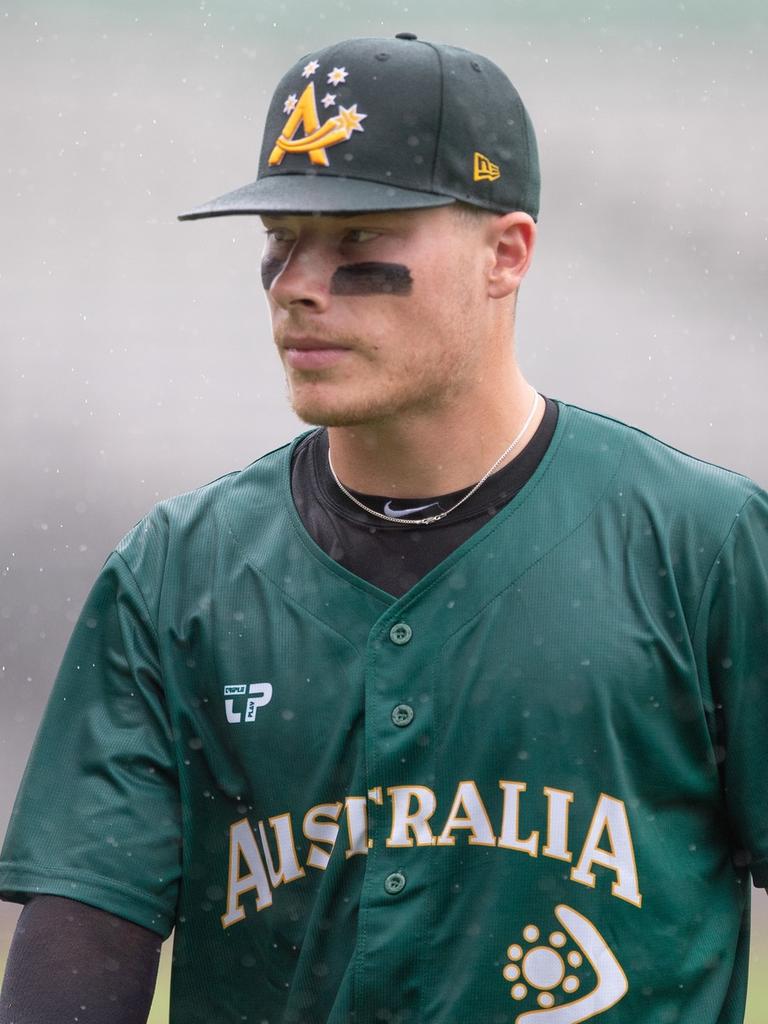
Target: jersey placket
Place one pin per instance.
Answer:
(399, 743)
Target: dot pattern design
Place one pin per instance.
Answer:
(538, 966)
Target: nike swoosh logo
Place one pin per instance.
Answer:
(400, 512)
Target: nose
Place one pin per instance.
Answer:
(299, 278)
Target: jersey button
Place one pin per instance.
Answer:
(402, 715)
(400, 633)
(394, 883)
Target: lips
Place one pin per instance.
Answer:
(308, 344)
(311, 353)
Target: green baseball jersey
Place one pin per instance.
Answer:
(531, 790)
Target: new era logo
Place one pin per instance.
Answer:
(485, 169)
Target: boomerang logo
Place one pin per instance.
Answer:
(257, 694)
(543, 967)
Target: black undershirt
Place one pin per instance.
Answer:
(394, 556)
(72, 962)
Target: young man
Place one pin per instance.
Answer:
(453, 709)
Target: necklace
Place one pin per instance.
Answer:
(441, 515)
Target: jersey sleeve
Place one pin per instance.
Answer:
(732, 636)
(97, 816)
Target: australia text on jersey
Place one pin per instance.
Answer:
(412, 809)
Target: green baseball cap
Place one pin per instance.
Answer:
(390, 124)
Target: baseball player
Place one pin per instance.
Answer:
(452, 709)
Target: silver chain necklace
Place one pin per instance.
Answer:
(440, 515)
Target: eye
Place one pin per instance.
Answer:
(356, 235)
(279, 235)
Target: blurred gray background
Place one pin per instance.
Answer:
(136, 357)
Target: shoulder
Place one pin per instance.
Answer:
(656, 474)
(186, 533)
(669, 514)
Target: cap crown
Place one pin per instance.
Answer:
(409, 114)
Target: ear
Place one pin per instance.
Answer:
(512, 237)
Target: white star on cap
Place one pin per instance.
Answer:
(349, 119)
(337, 76)
(310, 69)
(328, 100)
(290, 103)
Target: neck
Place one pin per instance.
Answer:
(426, 453)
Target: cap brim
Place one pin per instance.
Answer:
(307, 193)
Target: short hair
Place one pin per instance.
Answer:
(468, 211)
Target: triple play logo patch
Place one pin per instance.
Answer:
(302, 111)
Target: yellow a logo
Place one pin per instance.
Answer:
(484, 169)
(316, 137)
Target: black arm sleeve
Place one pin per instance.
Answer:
(71, 962)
